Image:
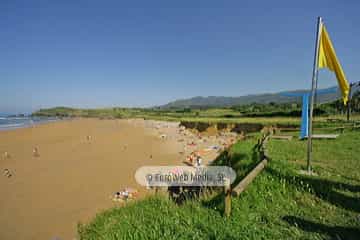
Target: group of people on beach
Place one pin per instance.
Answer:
(6, 155)
(6, 172)
(125, 195)
(194, 159)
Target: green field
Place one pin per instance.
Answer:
(253, 114)
(279, 204)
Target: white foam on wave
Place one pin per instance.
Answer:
(11, 125)
(16, 118)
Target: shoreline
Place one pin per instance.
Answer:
(65, 172)
(27, 122)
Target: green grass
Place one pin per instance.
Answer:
(279, 204)
(210, 115)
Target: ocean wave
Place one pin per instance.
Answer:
(16, 118)
(11, 125)
(16, 122)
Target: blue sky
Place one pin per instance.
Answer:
(144, 53)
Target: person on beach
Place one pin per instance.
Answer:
(6, 155)
(36, 152)
(7, 173)
(198, 161)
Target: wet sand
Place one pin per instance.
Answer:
(73, 177)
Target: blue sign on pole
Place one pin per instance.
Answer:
(305, 116)
(304, 132)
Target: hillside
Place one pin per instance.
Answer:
(221, 101)
(282, 104)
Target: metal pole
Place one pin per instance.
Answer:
(312, 96)
(348, 103)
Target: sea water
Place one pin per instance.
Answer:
(10, 122)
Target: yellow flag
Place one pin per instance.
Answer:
(328, 59)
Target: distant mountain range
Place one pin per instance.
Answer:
(332, 93)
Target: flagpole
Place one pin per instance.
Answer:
(312, 96)
(348, 103)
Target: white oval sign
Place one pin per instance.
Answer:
(162, 176)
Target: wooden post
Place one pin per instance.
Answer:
(227, 191)
(249, 178)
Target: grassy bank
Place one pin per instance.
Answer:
(279, 204)
(210, 115)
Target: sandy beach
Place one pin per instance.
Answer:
(58, 174)
(73, 177)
